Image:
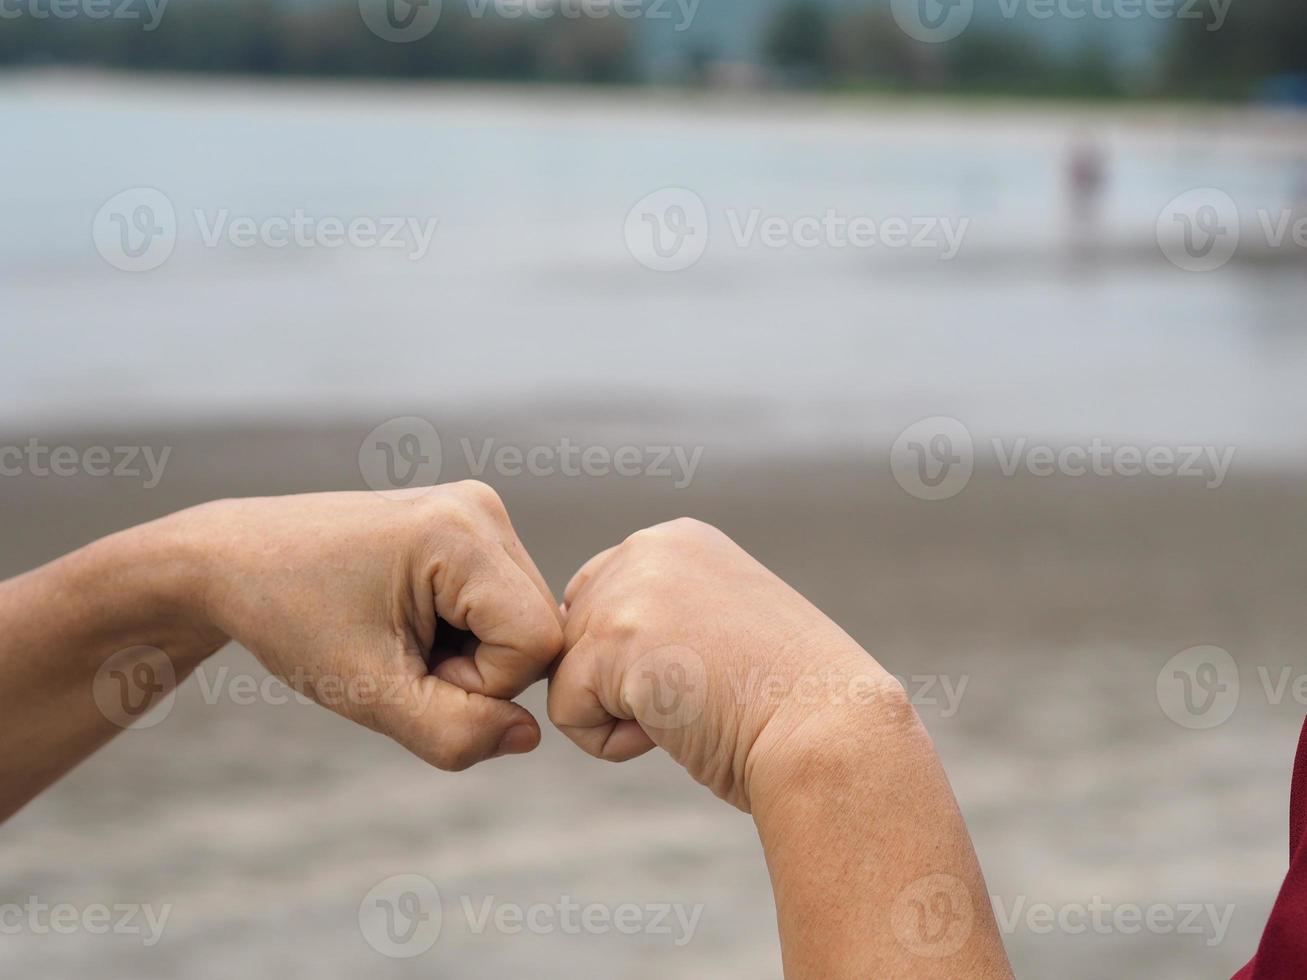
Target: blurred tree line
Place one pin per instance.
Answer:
(320, 38)
(1260, 49)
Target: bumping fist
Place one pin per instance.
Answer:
(353, 599)
(680, 639)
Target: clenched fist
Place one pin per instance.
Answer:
(353, 599)
(678, 638)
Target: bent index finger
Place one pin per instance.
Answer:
(518, 628)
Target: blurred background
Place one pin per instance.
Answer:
(982, 323)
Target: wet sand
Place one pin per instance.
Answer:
(1056, 602)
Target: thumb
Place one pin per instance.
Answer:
(454, 730)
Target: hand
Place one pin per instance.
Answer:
(679, 638)
(352, 599)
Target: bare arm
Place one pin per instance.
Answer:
(347, 597)
(678, 638)
(871, 864)
(59, 627)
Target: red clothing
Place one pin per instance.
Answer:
(1282, 953)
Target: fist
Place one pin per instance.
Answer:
(355, 600)
(678, 638)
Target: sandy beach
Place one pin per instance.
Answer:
(1030, 617)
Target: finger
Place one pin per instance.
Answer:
(577, 707)
(518, 628)
(522, 558)
(585, 574)
(454, 730)
(584, 602)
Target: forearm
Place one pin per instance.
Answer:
(61, 623)
(873, 870)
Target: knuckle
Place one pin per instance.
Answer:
(670, 533)
(621, 622)
(483, 498)
(647, 539)
(688, 526)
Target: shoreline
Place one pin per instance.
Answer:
(1149, 120)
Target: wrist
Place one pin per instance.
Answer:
(147, 586)
(809, 753)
